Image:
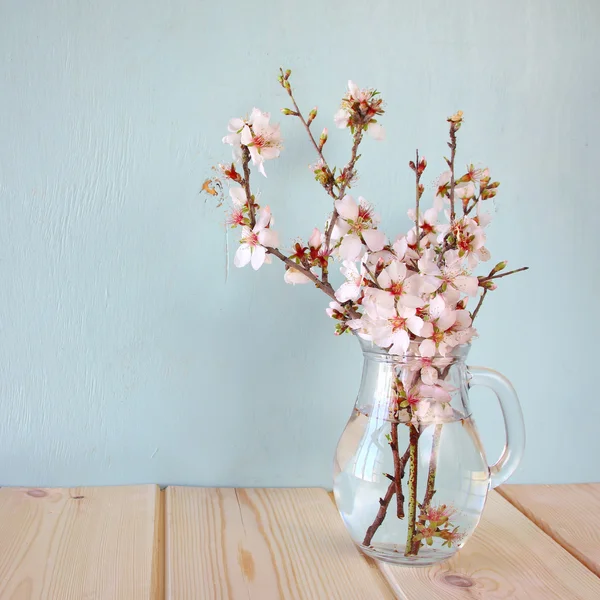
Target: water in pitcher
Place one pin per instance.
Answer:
(364, 461)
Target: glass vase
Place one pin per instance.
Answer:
(410, 473)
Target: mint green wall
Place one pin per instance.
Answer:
(128, 354)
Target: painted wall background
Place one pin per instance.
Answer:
(127, 354)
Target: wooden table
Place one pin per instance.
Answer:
(198, 543)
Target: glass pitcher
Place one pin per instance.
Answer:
(410, 474)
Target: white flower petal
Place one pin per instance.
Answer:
(426, 330)
(415, 324)
(446, 320)
(436, 307)
(401, 341)
(294, 276)
(238, 196)
(315, 239)
(341, 118)
(351, 247)
(466, 284)
(376, 131)
(429, 375)
(347, 208)
(258, 257)
(374, 239)
(427, 348)
(269, 238)
(246, 136)
(242, 255)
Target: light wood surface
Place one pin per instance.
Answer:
(79, 543)
(568, 513)
(508, 557)
(135, 543)
(263, 545)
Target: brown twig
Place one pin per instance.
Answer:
(476, 311)
(385, 501)
(418, 199)
(412, 490)
(246, 184)
(298, 113)
(397, 467)
(430, 490)
(348, 174)
(500, 275)
(452, 144)
(369, 272)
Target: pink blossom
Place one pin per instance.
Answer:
(356, 225)
(262, 139)
(254, 242)
(351, 289)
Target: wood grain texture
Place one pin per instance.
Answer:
(70, 544)
(567, 513)
(262, 545)
(508, 557)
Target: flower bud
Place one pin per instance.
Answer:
(412, 165)
(488, 285)
(288, 111)
(288, 72)
(422, 165)
(323, 138)
(456, 117)
(312, 115)
(499, 267)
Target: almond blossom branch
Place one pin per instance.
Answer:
(417, 177)
(397, 471)
(385, 501)
(455, 122)
(430, 490)
(412, 490)
(348, 174)
(322, 285)
(481, 299)
(373, 278)
(284, 80)
(490, 277)
(246, 184)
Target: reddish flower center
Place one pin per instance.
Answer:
(236, 217)
(252, 239)
(396, 288)
(412, 400)
(365, 212)
(397, 323)
(259, 141)
(438, 337)
(426, 228)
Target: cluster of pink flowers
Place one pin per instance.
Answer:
(407, 294)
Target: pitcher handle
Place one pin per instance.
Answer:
(513, 421)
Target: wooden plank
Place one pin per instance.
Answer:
(507, 557)
(567, 513)
(69, 544)
(274, 544)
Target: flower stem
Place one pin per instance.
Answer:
(430, 491)
(397, 471)
(417, 202)
(385, 501)
(500, 275)
(288, 89)
(349, 174)
(412, 490)
(452, 144)
(246, 184)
